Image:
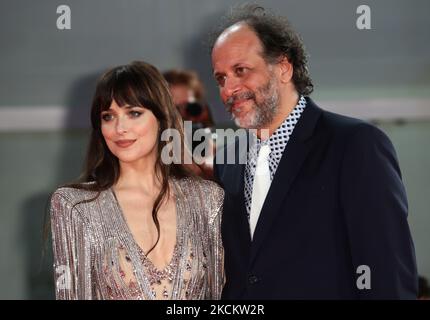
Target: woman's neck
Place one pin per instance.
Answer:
(138, 175)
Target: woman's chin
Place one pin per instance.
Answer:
(128, 158)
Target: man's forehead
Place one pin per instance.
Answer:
(230, 31)
(235, 43)
(237, 33)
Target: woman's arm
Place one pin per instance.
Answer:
(71, 246)
(218, 278)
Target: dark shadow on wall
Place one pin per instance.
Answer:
(39, 271)
(79, 102)
(73, 145)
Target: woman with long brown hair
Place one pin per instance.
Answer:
(135, 227)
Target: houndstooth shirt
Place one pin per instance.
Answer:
(277, 142)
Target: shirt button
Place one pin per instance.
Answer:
(252, 279)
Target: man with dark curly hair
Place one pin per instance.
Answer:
(318, 209)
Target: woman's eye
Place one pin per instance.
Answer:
(135, 114)
(107, 117)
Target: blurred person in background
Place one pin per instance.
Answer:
(188, 95)
(134, 227)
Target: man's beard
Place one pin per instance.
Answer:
(261, 113)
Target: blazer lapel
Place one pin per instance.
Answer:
(233, 178)
(292, 159)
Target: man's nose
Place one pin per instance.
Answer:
(231, 86)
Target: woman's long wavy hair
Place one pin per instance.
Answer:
(135, 84)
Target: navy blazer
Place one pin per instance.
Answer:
(336, 202)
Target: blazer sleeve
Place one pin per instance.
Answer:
(374, 202)
(71, 249)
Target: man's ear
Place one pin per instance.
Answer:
(286, 69)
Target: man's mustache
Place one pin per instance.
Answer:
(240, 96)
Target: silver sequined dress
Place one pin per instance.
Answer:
(96, 256)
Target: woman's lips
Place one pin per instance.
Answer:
(124, 143)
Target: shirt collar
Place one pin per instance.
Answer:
(283, 132)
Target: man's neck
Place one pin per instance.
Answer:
(284, 111)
